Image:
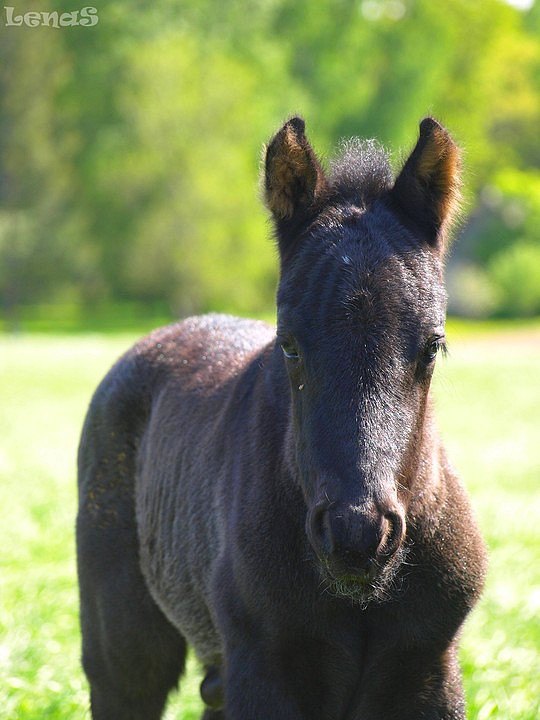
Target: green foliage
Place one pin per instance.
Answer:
(488, 404)
(471, 291)
(516, 274)
(129, 151)
(503, 277)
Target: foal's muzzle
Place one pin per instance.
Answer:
(355, 540)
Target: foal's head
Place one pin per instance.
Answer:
(361, 310)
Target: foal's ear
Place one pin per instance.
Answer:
(294, 178)
(427, 189)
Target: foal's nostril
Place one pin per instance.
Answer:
(394, 534)
(319, 531)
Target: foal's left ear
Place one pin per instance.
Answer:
(427, 189)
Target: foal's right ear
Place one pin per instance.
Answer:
(294, 178)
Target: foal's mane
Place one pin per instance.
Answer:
(360, 172)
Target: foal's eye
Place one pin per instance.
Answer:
(432, 347)
(290, 351)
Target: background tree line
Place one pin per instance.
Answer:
(129, 151)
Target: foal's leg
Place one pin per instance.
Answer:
(265, 679)
(132, 655)
(212, 693)
(413, 685)
(258, 689)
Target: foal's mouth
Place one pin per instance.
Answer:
(378, 584)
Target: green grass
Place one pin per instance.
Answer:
(488, 397)
(68, 318)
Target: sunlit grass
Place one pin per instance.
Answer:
(488, 401)
(488, 397)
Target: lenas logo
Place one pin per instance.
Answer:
(86, 17)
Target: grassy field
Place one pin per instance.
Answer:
(488, 398)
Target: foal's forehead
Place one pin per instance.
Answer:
(365, 268)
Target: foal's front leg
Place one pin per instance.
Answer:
(257, 689)
(412, 685)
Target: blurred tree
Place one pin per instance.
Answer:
(38, 257)
(129, 151)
